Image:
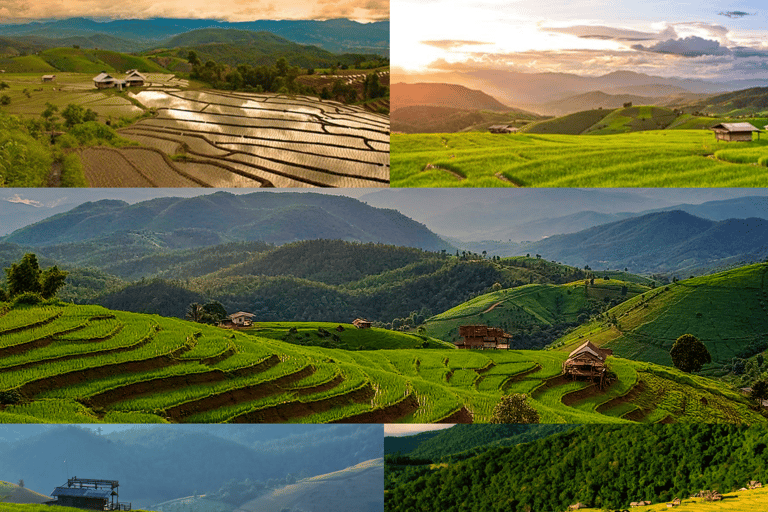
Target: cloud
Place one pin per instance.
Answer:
(613, 33)
(736, 14)
(448, 44)
(692, 46)
(21, 200)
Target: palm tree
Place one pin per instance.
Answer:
(195, 312)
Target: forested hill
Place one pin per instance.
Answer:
(270, 217)
(601, 466)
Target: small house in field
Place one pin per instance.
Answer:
(735, 132)
(104, 81)
(49, 78)
(241, 319)
(482, 337)
(587, 361)
(503, 128)
(135, 79)
(577, 506)
(89, 494)
(361, 323)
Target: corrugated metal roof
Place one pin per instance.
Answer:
(736, 127)
(103, 77)
(82, 492)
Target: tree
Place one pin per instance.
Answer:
(51, 280)
(195, 312)
(5, 99)
(514, 409)
(689, 354)
(24, 276)
(759, 391)
(193, 59)
(72, 114)
(21, 483)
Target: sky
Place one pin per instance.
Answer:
(403, 429)
(706, 39)
(13, 11)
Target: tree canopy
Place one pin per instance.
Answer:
(514, 409)
(27, 277)
(689, 354)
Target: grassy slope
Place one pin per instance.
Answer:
(350, 337)
(737, 501)
(725, 310)
(527, 305)
(654, 158)
(442, 382)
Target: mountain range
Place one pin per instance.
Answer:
(339, 35)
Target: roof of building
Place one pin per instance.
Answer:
(735, 127)
(82, 492)
(590, 348)
(134, 74)
(103, 77)
(49, 76)
(240, 314)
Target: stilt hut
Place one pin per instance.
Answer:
(735, 132)
(587, 362)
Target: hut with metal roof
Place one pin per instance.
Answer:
(482, 337)
(733, 132)
(104, 80)
(503, 128)
(587, 361)
(89, 494)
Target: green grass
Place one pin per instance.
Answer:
(527, 306)
(654, 158)
(442, 381)
(726, 311)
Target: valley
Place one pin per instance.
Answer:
(213, 107)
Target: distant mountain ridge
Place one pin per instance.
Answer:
(443, 95)
(658, 242)
(337, 35)
(272, 217)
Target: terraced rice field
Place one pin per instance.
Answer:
(67, 363)
(656, 158)
(239, 139)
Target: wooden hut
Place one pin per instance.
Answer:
(361, 323)
(587, 362)
(735, 132)
(103, 81)
(49, 78)
(89, 494)
(241, 319)
(577, 506)
(503, 128)
(482, 337)
(135, 79)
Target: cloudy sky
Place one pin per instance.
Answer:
(707, 39)
(13, 11)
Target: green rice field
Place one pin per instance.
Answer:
(86, 364)
(654, 158)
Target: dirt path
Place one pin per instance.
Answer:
(491, 308)
(54, 178)
(507, 180)
(458, 176)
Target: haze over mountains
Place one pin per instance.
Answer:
(563, 93)
(336, 35)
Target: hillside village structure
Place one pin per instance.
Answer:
(361, 323)
(132, 79)
(89, 494)
(482, 337)
(587, 361)
(49, 78)
(735, 132)
(503, 128)
(241, 319)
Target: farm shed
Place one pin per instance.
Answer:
(482, 337)
(89, 494)
(577, 506)
(734, 132)
(587, 361)
(49, 78)
(361, 323)
(103, 81)
(241, 319)
(135, 79)
(502, 128)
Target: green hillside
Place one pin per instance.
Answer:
(727, 311)
(86, 364)
(571, 124)
(607, 467)
(633, 119)
(536, 306)
(80, 60)
(652, 158)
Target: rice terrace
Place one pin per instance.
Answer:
(219, 139)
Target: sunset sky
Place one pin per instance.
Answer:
(13, 11)
(704, 39)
